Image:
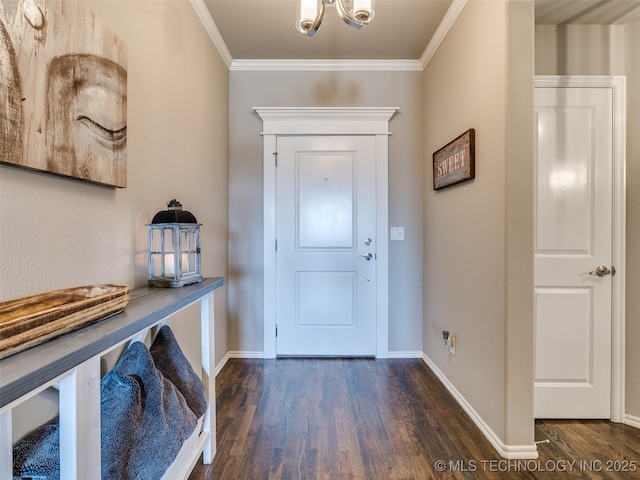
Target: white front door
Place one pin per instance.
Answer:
(573, 252)
(326, 246)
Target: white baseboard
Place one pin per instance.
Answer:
(221, 365)
(235, 354)
(405, 354)
(632, 421)
(506, 451)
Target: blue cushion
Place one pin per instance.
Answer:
(144, 422)
(170, 360)
(37, 454)
(145, 419)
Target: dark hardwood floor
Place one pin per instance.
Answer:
(384, 420)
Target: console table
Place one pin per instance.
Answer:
(71, 362)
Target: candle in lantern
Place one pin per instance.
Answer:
(169, 268)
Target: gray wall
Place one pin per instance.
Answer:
(248, 89)
(57, 233)
(478, 265)
(609, 50)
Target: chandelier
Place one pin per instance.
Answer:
(355, 13)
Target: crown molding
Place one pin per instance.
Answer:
(212, 29)
(326, 65)
(447, 22)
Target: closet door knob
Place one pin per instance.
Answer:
(601, 271)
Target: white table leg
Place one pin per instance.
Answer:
(6, 446)
(208, 369)
(80, 422)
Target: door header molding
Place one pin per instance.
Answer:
(326, 120)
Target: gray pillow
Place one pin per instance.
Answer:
(170, 360)
(144, 422)
(37, 454)
(145, 419)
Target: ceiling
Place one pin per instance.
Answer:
(587, 12)
(264, 29)
(401, 30)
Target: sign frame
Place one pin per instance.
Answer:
(455, 162)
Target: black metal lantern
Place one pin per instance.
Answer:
(174, 248)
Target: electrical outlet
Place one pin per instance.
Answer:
(452, 344)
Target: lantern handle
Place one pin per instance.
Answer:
(174, 205)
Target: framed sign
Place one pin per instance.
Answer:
(455, 162)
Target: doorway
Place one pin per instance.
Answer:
(326, 246)
(579, 248)
(371, 123)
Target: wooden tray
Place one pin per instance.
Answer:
(29, 321)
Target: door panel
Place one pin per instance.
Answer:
(314, 310)
(326, 195)
(325, 228)
(565, 190)
(562, 314)
(573, 236)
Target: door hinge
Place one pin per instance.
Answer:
(276, 331)
(276, 244)
(275, 155)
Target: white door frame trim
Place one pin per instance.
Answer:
(618, 86)
(326, 121)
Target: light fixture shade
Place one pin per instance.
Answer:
(363, 10)
(308, 9)
(355, 13)
(174, 248)
(309, 18)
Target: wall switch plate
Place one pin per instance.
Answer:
(452, 344)
(397, 233)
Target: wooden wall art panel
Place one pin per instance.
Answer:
(63, 91)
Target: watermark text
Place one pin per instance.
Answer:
(505, 465)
